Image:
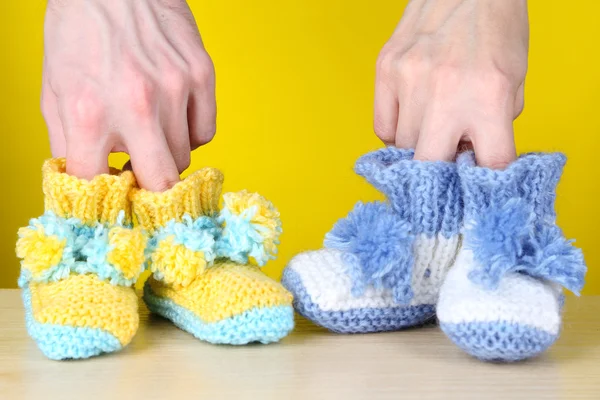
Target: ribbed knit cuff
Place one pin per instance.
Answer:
(533, 178)
(426, 194)
(98, 200)
(196, 195)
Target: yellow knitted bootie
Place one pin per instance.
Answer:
(79, 263)
(205, 262)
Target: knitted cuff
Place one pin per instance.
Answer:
(101, 199)
(532, 178)
(188, 232)
(426, 194)
(83, 231)
(195, 196)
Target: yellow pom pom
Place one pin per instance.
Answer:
(39, 251)
(175, 264)
(127, 252)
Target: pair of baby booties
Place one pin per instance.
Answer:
(477, 248)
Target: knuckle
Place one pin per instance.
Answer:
(388, 64)
(496, 82)
(411, 64)
(45, 107)
(203, 72)
(383, 130)
(494, 87)
(140, 95)
(174, 80)
(205, 135)
(519, 107)
(84, 109)
(384, 61)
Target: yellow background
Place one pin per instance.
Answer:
(295, 93)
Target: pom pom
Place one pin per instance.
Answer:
(554, 258)
(196, 234)
(377, 246)
(251, 228)
(496, 237)
(49, 247)
(53, 247)
(505, 239)
(181, 251)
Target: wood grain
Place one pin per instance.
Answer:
(164, 362)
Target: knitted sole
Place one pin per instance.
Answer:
(61, 342)
(264, 325)
(361, 320)
(499, 341)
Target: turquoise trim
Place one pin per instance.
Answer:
(61, 342)
(264, 325)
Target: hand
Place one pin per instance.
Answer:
(453, 72)
(132, 76)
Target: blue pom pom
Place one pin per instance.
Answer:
(554, 258)
(506, 239)
(497, 237)
(377, 247)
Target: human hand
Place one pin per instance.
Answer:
(453, 71)
(130, 76)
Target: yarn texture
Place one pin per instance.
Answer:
(383, 265)
(205, 261)
(502, 300)
(78, 263)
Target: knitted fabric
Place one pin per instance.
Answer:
(196, 196)
(205, 261)
(503, 298)
(384, 263)
(79, 261)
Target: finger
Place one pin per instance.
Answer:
(439, 136)
(202, 117)
(173, 113)
(49, 106)
(520, 100)
(86, 158)
(202, 106)
(494, 143)
(409, 121)
(385, 119)
(87, 143)
(152, 162)
(177, 136)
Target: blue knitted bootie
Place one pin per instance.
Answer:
(383, 265)
(502, 299)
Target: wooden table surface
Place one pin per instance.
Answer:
(165, 363)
